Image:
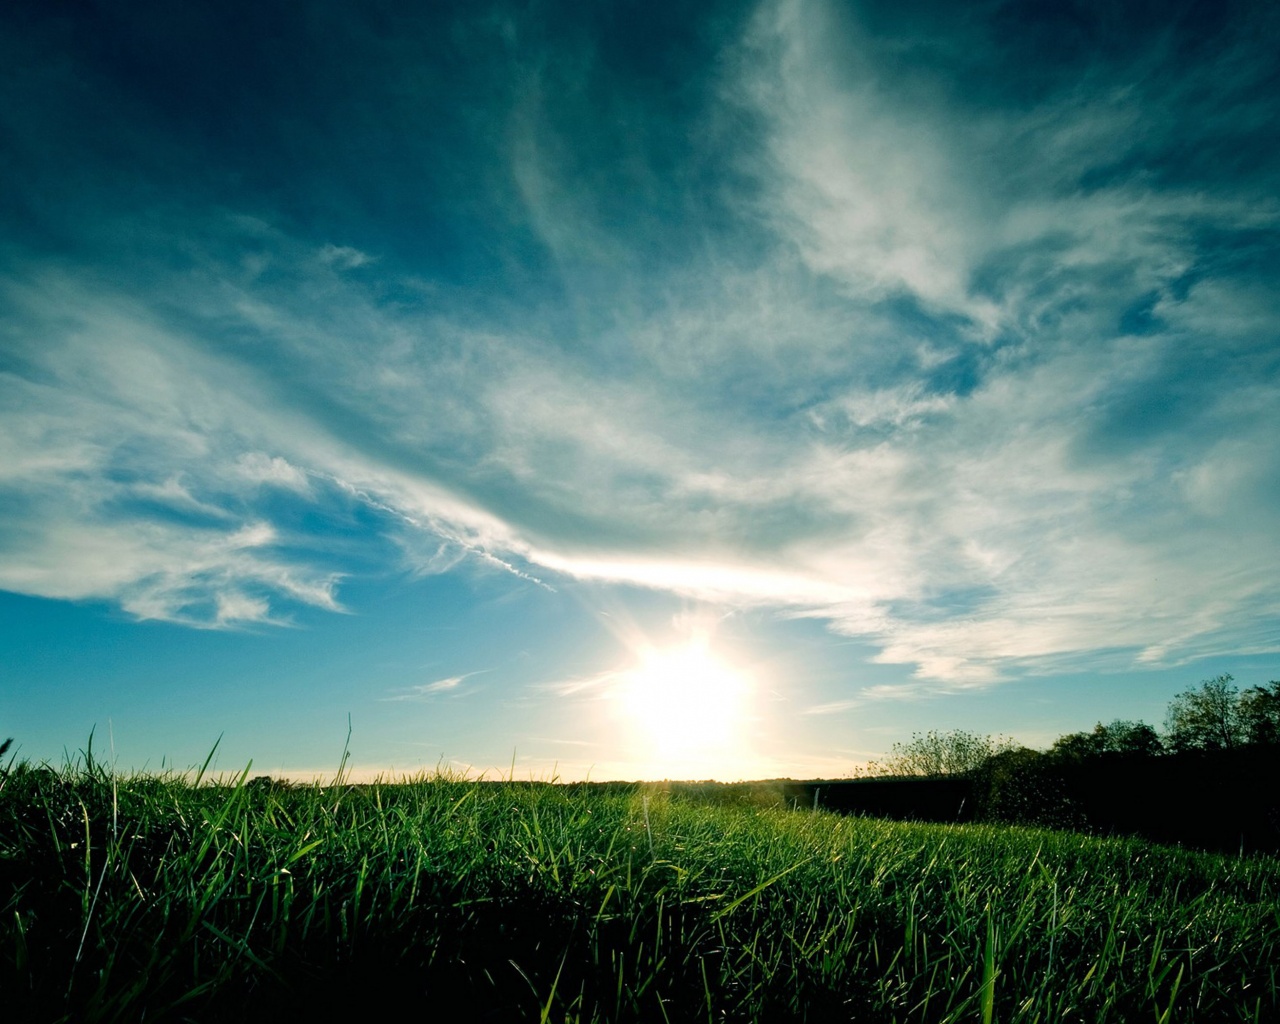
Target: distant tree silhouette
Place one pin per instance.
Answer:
(1208, 718)
(1260, 714)
(941, 753)
(1202, 783)
(1120, 737)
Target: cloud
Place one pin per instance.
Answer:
(343, 257)
(868, 509)
(875, 191)
(834, 707)
(426, 691)
(158, 572)
(174, 494)
(896, 186)
(128, 449)
(973, 365)
(260, 468)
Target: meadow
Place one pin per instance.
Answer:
(171, 898)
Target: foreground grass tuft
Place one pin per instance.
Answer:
(150, 897)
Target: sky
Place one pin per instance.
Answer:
(630, 390)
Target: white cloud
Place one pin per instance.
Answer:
(121, 411)
(425, 691)
(967, 535)
(834, 707)
(874, 192)
(260, 468)
(238, 607)
(895, 408)
(343, 257)
(765, 430)
(894, 187)
(158, 571)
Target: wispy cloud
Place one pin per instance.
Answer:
(834, 707)
(258, 467)
(968, 368)
(343, 257)
(426, 691)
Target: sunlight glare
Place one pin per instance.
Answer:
(685, 703)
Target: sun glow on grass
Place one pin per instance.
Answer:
(686, 706)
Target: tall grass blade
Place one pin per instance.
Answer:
(207, 761)
(989, 972)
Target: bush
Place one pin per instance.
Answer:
(941, 753)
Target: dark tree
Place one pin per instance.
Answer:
(1135, 738)
(1207, 718)
(1120, 737)
(1077, 746)
(1260, 714)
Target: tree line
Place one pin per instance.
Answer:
(1203, 780)
(1215, 716)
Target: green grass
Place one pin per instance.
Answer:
(154, 898)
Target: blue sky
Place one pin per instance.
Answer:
(530, 381)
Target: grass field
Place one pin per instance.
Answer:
(161, 899)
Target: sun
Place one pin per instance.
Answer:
(685, 703)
